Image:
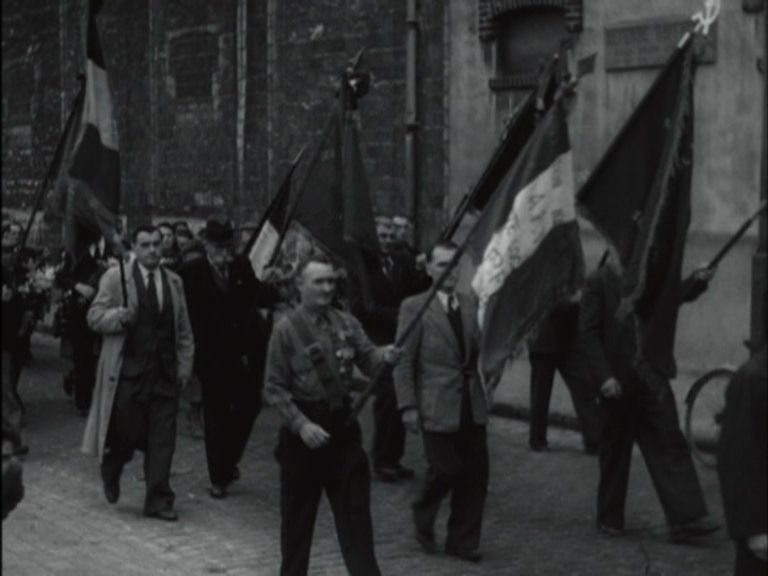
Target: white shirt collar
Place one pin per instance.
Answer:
(444, 298)
(145, 273)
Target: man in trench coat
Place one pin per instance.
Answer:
(146, 358)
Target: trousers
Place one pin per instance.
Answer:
(647, 414)
(578, 379)
(147, 426)
(230, 408)
(340, 469)
(389, 432)
(457, 465)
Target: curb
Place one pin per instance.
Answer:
(516, 412)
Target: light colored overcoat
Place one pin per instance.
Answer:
(431, 372)
(103, 318)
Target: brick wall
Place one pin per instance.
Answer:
(173, 70)
(31, 96)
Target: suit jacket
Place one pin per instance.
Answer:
(609, 344)
(227, 325)
(379, 317)
(102, 318)
(431, 373)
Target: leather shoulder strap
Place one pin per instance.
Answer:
(317, 357)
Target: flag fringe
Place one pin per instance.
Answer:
(628, 304)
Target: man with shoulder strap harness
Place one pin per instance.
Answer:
(308, 378)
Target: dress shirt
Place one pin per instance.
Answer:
(290, 374)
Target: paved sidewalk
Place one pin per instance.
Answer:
(539, 515)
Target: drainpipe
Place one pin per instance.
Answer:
(411, 125)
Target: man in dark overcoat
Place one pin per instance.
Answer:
(231, 338)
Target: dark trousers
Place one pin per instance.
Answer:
(84, 363)
(12, 412)
(229, 414)
(458, 464)
(747, 564)
(577, 377)
(340, 468)
(647, 414)
(389, 432)
(149, 426)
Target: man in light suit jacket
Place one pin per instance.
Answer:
(145, 361)
(439, 392)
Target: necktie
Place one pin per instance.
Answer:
(154, 305)
(454, 317)
(387, 266)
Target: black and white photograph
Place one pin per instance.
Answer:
(384, 287)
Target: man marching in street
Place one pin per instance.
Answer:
(440, 393)
(231, 338)
(145, 362)
(638, 408)
(309, 375)
(389, 285)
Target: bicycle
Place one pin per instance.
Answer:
(705, 403)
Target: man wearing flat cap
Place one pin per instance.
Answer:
(224, 299)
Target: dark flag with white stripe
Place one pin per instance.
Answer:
(93, 198)
(266, 239)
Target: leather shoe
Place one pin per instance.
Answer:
(468, 555)
(112, 491)
(403, 472)
(680, 533)
(539, 446)
(235, 474)
(168, 515)
(386, 473)
(217, 492)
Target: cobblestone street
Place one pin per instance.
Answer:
(539, 517)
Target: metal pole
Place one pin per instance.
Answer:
(760, 259)
(411, 124)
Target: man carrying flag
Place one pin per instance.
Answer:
(639, 198)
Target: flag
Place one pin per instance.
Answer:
(529, 241)
(638, 197)
(93, 197)
(266, 239)
(517, 133)
(333, 203)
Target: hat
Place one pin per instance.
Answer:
(218, 232)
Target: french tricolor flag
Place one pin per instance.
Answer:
(528, 237)
(94, 192)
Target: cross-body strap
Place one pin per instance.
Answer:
(313, 349)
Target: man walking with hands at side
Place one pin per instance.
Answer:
(439, 391)
(146, 359)
(309, 374)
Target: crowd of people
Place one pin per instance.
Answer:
(186, 318)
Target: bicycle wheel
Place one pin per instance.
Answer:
(704, 407)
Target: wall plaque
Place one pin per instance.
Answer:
(648, 44)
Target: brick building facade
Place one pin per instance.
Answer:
(214, 99)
